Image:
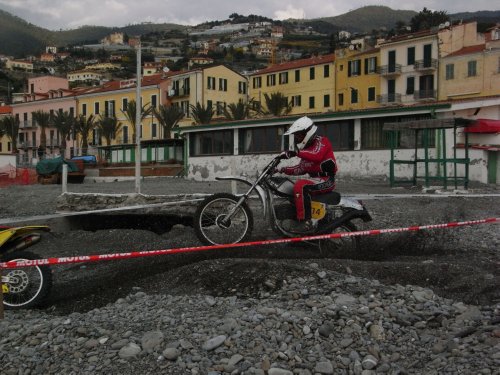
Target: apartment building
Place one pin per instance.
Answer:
(309, 84)
(357, 82)
(409, 69)
(213, 86)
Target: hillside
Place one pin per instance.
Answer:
(370, 18)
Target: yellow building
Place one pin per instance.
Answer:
(307, 83)
(470, 62)
(214, 86)
(113, 98)
(357, 82)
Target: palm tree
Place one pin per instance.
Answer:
(64, 123)
(202, 114)
(130, 114)
(108, 128)
(43, 120)
(238, 111)
(9, 126)
(168, 117)
(276, 104)
(84, 127)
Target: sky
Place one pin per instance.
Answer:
(70, 14)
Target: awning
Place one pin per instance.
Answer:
(484, 126)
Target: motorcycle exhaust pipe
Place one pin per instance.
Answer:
(26, 242)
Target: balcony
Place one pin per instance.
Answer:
(389, 99)
(179, 92)
(27, 124)
(53, 142)
(27, 144)
(426, 65)
(425, 95)
(389, 70)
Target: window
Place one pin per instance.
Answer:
(257, 82)
(297, 75)
(271, 80)
(262, 140)
(326, 100)
(354, 96)
(153, 101)
(371, 94)
(153, 130)
(354, 68)
(185, 107)
(312, 73)
(410, 85)
(326, 71)
(296, 101)
(218, 142)
(96, 108)
(84, 109)
(222, 84)
(450, 71)
(371, 65)
(341, 99)
(411, 56)
(311, 102)
(124, 104)
(220, 106)
(109, 108)
(242, 87)
(211, 83)
(471, 68)
(125, 134)
(283, 78)
(340, 134)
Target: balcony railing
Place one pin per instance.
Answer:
(389, 70)
(427, 64)
(27, 124)
(27, 144)
(425, 95)
(389, 99)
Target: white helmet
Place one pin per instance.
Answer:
(303, 125)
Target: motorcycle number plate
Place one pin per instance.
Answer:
(318, 210)
(5, 288)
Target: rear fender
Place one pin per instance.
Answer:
(260, 191)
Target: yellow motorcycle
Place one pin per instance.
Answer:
(23, 287)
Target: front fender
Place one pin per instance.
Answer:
(260, 191)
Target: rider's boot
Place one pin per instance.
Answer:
(304, 226)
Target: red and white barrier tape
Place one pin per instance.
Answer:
(140, 254)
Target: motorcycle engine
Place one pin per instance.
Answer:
(284, 211)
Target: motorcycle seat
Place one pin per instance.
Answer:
(329, 198)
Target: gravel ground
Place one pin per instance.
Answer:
(424, 302)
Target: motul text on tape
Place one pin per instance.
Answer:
(140, 254)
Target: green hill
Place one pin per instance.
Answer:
(370, 18)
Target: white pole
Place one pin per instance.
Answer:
(138, 123)
(64, 181)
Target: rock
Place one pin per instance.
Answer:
(129, 351)
(369, 362)
(324, 367)
(151, 340)
(214, 342)
(278, 371)
(171, 354)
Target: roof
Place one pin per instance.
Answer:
(468, 50)
(404, 37)
(294, 64)
(5, 109)
(152, 80)
(485, 126)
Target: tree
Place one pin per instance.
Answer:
(238, 111)
(11, 129)
(202, 114)
(276, 104)
(64, 122)
(130, 114)
(427, 18)
(109, 127)
(84, 127)
(168, 117)
(43, 120)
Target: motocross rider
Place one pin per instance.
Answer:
(317, 160)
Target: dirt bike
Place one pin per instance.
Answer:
(23, 287)
(225, 218)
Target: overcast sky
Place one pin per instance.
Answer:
(70, 14)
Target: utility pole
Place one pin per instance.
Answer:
(138, 116)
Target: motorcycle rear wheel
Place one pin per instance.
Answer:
(29, 286)
(209, 224)
(345, 247)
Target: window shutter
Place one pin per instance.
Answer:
(366, 66)
(349, 69)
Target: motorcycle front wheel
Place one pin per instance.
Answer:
(212, 225)
(345, 247)
(25, 287)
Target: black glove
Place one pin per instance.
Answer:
(287, 154)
